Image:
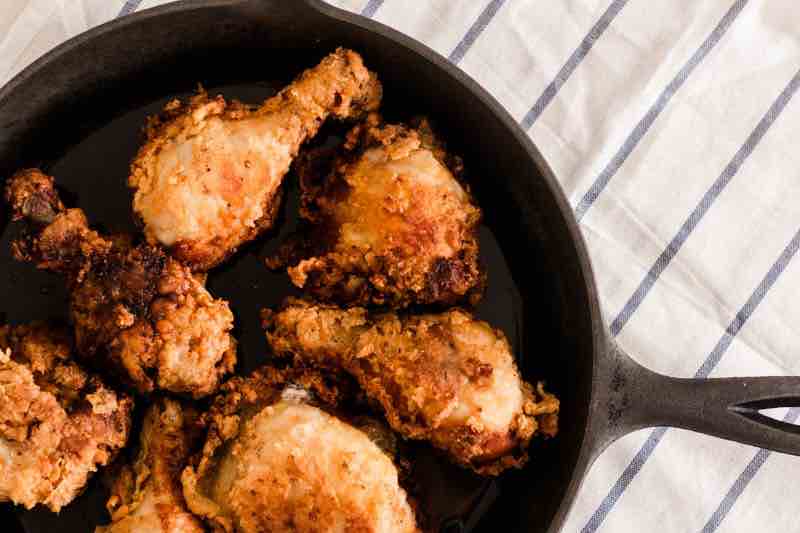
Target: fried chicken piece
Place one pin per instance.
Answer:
(147, 497)
(279, 459)
(208, 178)
(390, 223)
(134, 308)
(58, 423)
(446, 378)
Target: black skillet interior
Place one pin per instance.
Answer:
(80, 118)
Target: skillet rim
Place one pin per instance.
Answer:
(600, 340)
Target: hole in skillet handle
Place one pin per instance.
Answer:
(765, 404)
(779, 414)
(772, 412)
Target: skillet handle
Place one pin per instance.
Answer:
(631, 397)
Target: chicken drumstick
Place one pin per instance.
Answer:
(132, 306)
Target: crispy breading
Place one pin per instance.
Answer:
(446, 378)
(58, 423)
(278, 459)
(146, 496)
(388, 222)
(208, 177)
(133, 307)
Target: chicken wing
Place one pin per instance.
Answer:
(208, 178)
(277, 460)
(446, 378)
(390, 223)
(133, 307)
(58, 423)
(147, 496)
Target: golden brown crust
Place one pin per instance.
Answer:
(58, 423)
(274, 460)
(146, 496)
(135, 309)
(445, 378)
(208, 178)
(390, 223)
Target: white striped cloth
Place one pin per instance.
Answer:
(671, 125)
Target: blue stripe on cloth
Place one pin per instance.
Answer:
(572, 63)
(624, 480)
(652, 114)
(129, 7)
(371, 7)
(743, 480)
(475, 30)
(704, 371)
(704, 205)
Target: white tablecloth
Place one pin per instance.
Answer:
(671, 125)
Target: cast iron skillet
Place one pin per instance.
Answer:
(77, 113)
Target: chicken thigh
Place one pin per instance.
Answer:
(446, 378)
(132, 306)
(278, 459)
(58, 423)
(208, 178)
(388, 222)
(146, 497)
